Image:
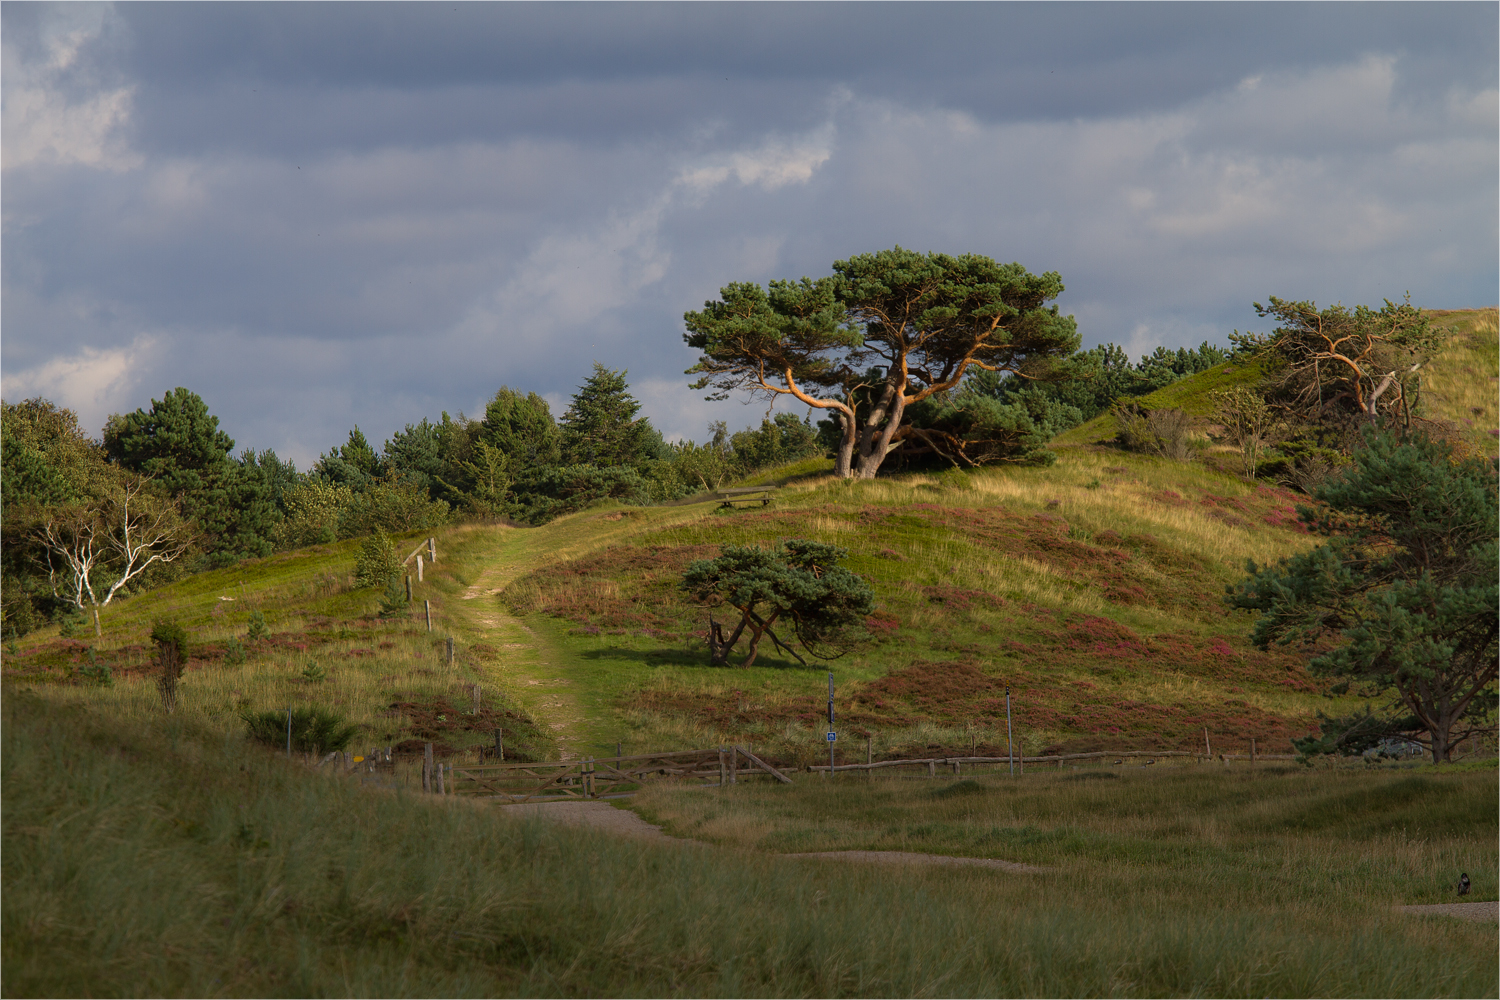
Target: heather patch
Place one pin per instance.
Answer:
(620, 590)
(437, 720)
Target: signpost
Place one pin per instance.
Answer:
(1009, 749)
(831, 734)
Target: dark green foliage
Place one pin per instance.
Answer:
(600, 427)
(234, 652)
(257, 629)
(170, 638)
(377, 561)
(352, 464)
(920, 321)
(177, 441)
(799, 582)
(96, 673)
(551, 493)
(778, 441)
(970, 429)
(70, 622)
(49, 469)
(171, 654)
(1101, 376)
(236, 513)
(393, 602)
(1406, 586)
(391, 504)
(276, 476)
(415, 454)
(314, 729)
(1352, 735)
(522, 428)
(178, 444)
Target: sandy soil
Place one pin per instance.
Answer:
(913, 858)
(1485, 912)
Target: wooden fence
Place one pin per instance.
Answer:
(1117, 757)
(594, 777)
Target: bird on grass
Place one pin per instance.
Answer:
(1463, 884)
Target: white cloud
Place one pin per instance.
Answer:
(774, 163)
(42, 124)
(93, 382)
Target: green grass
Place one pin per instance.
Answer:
(1193, 395)
(1460, 385)
(1351, 838)
(172, 858)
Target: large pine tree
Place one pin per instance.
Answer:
(600, 427)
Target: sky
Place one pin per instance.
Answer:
(318, 216)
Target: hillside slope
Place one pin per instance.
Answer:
(1089, 590)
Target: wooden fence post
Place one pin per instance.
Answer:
(723, 771)
(419, 567)
(931, 769)
(440, 788)
(432, 550)
(427, 607)
(427, 767)
(499, 745)
(1252, 750)
(1208, 751)
(734, 765)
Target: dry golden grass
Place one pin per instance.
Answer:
(1461, 383)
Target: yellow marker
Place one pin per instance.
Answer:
(358, 759)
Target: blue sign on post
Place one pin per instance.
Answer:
(832, 737)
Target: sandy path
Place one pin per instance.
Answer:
(529, 668)
(1485, 912)
(914, 858)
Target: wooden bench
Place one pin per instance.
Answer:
(762, 495)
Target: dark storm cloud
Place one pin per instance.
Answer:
(320, 215)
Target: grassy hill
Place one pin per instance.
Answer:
(1091, 590)
(147, 853)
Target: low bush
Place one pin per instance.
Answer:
(313, 729)
(377, 562)
(1161, 432)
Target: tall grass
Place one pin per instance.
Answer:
(166, 859)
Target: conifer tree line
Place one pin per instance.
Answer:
(162, 492)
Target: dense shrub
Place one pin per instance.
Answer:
(1156, 432)
(377, 563)
(313, 729)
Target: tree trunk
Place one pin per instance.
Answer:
(757, 629)
(884, 421)
(719, 646)
(844, 458)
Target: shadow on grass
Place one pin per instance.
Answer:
(683, 658)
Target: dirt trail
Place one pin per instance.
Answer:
(529, 668)
(1486, 912)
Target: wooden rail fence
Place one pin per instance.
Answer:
(1119, 757)
(593, 777)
